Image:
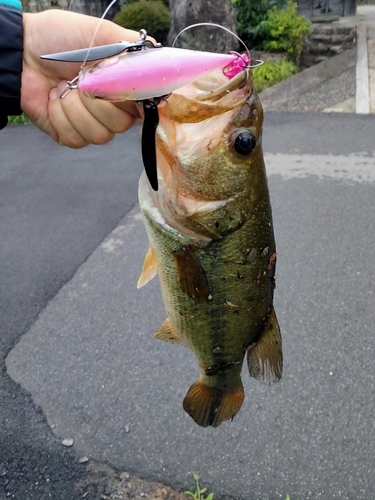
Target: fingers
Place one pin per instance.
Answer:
(78, 120)
(117, 118)
(67, 118)
(110, 32)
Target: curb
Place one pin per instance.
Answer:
(362, 98)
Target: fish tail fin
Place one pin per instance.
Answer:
(211, 406)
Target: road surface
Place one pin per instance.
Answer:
(78, 334)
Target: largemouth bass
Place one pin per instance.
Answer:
(212, 241)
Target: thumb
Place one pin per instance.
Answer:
(110, 32)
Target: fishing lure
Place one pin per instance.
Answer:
(146, 72)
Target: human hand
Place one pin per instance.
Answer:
(76, 120)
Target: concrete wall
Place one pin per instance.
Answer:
(326, 10)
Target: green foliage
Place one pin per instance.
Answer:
(128, 2)
(249, 15)
(285, 30)
(19, 119)
(271, 25)
(151, 15)
(271, 73)
(199, 493)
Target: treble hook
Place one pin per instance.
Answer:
(70, 85)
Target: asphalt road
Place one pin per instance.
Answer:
(87, 356)
(56, 206)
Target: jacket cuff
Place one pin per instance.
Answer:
(11, 50)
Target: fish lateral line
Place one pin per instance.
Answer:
(214, 370)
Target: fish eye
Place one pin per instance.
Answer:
(244, 142)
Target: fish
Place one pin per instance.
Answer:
(206, 207)
(211, 240)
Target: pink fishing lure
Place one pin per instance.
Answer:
(152, 72)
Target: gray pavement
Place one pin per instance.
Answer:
(56, 206)
(329, 86)
(91, 363)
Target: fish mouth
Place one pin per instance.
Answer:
(195, 126)
(207, 97)
(213, 86)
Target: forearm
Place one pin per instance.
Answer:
(11, 49)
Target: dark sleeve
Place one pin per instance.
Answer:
(11, 47)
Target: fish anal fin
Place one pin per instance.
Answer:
(209, 406)
(192, 278)
(149, 269)
(265, 357)
(167, 334)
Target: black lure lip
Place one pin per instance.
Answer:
(150, 124)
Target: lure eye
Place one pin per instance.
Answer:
(244, 143)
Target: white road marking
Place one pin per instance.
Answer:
(353, 168)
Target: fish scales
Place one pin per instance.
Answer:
(212, 243)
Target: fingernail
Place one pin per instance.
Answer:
(54, 94)
(62, 86)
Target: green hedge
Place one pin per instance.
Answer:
(153, 16)
(273, 27)
(271, 73)
(285, 30)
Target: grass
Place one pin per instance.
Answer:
(271, 73)
(19, 119)
(199, 493)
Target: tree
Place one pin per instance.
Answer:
(188, 12)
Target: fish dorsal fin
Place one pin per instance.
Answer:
(192, 277)
(167, 334)
(150, 268)
(265, 357)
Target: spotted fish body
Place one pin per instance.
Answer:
(212, 243)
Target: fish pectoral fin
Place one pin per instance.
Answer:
(265, 357)
(167, 334)
(209, 406)
(193, 280)
(149, 269)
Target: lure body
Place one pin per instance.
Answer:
(149, 73)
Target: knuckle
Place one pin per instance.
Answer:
(102, 136)
(121, 126)
(73, 142)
